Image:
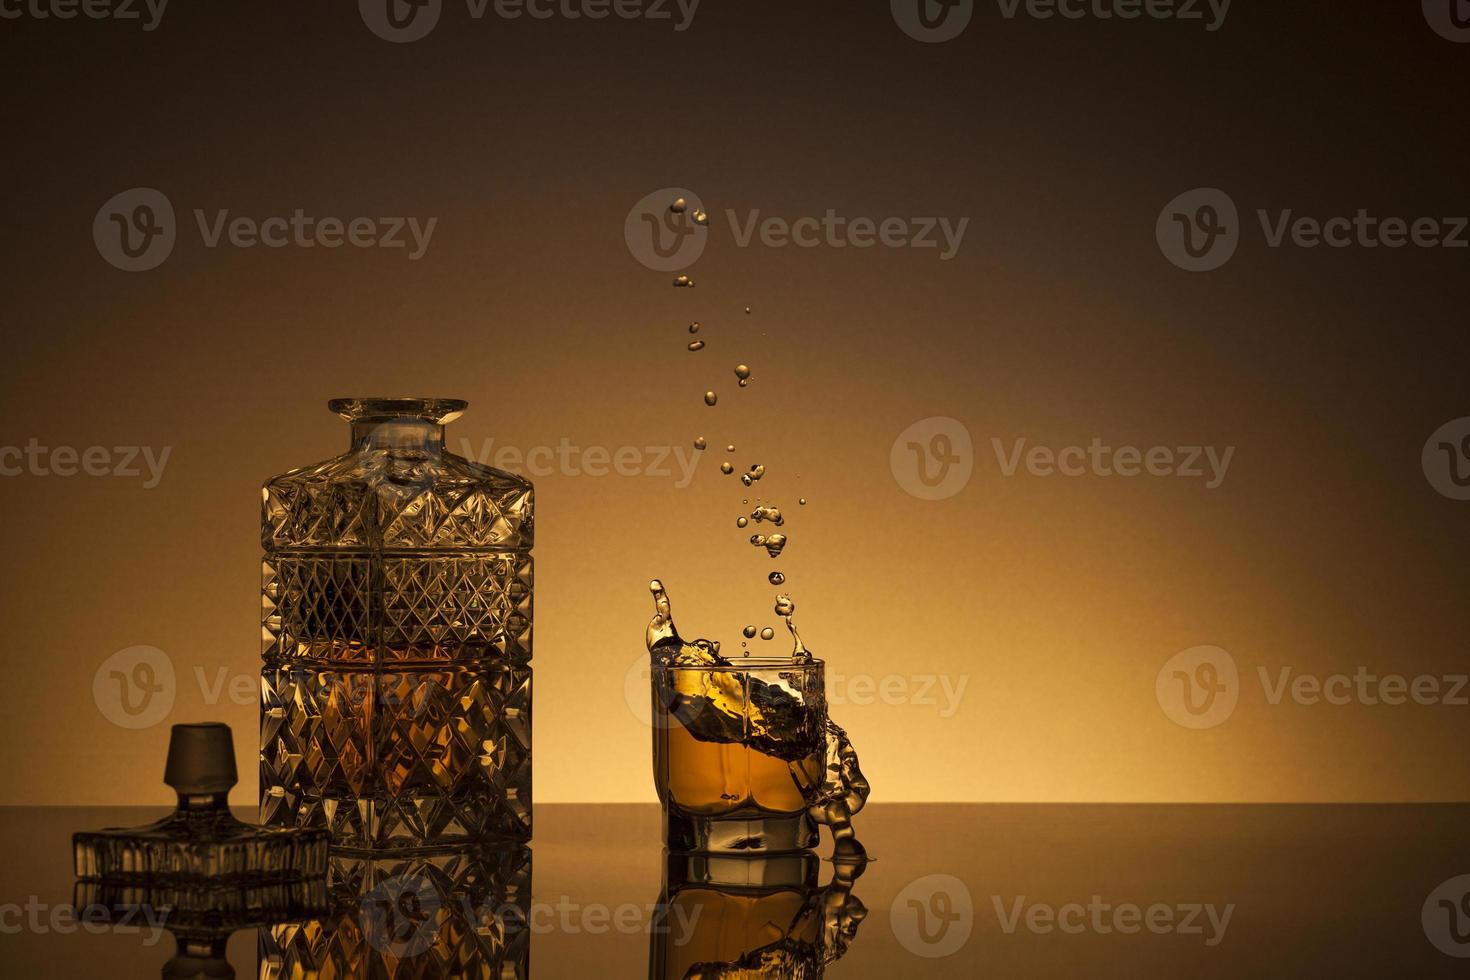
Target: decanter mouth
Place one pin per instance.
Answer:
(440, 411)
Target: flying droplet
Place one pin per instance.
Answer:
(802, 501)
(742, 521)
(776, 578)
(747, 311)
(757, 471)
(749, 632)
(758, 540)
(696, 345)
(772, 514)
(679, 206)
(784, 605)
(694, 327)
(683, 282)
(700, 218)
(726, 469)
(700, 444)
(710, 398)
(745, 382)
(730, 448)
(768, 634)
(745, 479)
(742, 371)
(774, 544)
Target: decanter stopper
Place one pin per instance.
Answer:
(201, 759)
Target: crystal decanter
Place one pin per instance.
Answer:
(396, 689)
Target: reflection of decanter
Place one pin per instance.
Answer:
(454, 913)
(734, 918)
(396, 687)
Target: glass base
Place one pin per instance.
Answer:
(736, 834)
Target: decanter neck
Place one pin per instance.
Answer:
(398, 435)
(203, 802)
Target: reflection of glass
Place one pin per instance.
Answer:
(396, 690)
(725, 916)
(457, 913)
(745, 759)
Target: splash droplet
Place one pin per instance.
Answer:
(726, 469)
(742, 521)
(772, 514)
(745, 479)
(747, 311)
(744, 382)
(749, 632)
(775, 543)
(710, 398)
(776, 578)
(759, 540)
(802, 501)
(679, 206)
(683, 282)
(694, 327)
(730, 448)
(768, 634)
(742, 371)
(700, 444)
(700, 218)
(784, 605)
(696, 345)
(757, 471)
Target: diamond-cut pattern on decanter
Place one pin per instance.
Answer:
(396, 609)
(460, 913)
(394, 759)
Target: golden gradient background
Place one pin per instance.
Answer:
(1057, 600)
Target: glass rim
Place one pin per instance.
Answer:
(752, 662)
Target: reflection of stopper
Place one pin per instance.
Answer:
(201, 759)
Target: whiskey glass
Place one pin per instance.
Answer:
(746, 760)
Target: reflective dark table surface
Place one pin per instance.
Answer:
(952, 891)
